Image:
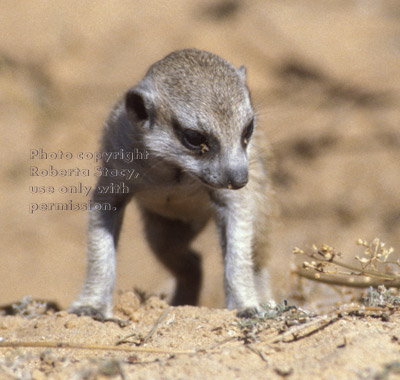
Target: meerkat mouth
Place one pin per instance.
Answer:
(228, 186)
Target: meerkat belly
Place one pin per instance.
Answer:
(177, 203)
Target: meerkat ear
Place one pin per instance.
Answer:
(138, 106)
(242, 71)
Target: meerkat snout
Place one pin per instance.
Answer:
(237, 178)
(193, 116)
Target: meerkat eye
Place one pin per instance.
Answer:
(248, 131)
(190, 138)
(193, 139)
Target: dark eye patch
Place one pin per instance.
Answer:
(190, 138)
(193, 139)
(247, 132)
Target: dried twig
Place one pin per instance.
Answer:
(318, 324)
(350, 282)
(154, 328)
(321, 323)
(257, 352)
(139, 336)
(98, 347)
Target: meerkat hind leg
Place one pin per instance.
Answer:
(170, 239)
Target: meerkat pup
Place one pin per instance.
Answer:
(192, 116)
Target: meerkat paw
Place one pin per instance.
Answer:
(249, 312)
(98, 312)
(88, 311)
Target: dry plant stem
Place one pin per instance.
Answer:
(320, 322)
(96, 347)
(149, 334)
(323, 322)
(124, 339)
(222, 342)
(358, 271)
(153, 329)
(352, 309)
(347, 282)
(100, 347)
(257, 352)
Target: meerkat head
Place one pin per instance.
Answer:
(195, 111)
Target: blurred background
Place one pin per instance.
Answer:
(325, 79)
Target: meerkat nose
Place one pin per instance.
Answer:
(237, 178)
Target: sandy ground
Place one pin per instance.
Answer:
(199, 343)
(325, 78)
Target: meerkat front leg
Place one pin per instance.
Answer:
(236, 216)
(95, 298)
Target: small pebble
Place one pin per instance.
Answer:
(72, 323)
